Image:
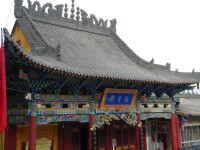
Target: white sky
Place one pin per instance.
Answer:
(166, 30)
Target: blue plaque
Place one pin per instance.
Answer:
(119, 99)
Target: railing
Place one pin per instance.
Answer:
(191, 145)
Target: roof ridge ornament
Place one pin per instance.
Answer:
(168, 66)
(72, 10)
(59, 13)
(152, 61)
(65, 10)
(18, 7)
(193, 70)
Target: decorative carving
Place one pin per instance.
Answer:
(129, 118)
(58, 48)
(84, 17)
(113, 25)
(193, 70)
(65, 10)
(152, 61)
(18, 6)
(72, 10)
(49, 119)
(75, 98)
(78, 14)
(145, 116)
(39, 50)
(47, 5)
(58, 12)
(168, 66)
(33, 6)
(41, 12)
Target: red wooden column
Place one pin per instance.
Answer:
(111, 135)
(10, 137)
(67, 136)
(32, 131)
(106, 137)
(144, 136)
(137, 135)
(7, 133)
(90, 137)
(178, 127)
(60, 136)
(173, 131)
(91, 123)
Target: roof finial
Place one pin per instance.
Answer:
(72, 10)
(168, 66)
(66, 9)
(152, 61)
(77, 13)
(193, 70)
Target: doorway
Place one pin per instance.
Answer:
(84, 137)
(158, 133)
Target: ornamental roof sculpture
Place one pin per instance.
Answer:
(81, 44)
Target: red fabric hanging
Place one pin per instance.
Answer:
(3, 105)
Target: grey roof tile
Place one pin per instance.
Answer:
(89, 49)
(189, 106)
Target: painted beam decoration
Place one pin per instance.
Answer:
(118, 98)
(49, 119)
(145, 116)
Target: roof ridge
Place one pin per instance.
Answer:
(42, 46)
(57, 13)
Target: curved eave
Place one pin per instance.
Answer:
(188, 114)
(26, 58)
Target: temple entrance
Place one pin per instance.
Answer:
(84, 137)
(46, 137)
(158, 133)
(124, 135)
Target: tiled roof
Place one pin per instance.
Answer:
(189, 107)
(87, 48)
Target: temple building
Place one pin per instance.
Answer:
(189, 116)
(74, 84)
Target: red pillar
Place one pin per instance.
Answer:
(107, 137)
(90, 137)
(7, 138)
(32, 133)
(111, 135)
(178, 132)
(144, 136)
(137, 135)
(173, 132)
(60, 136)
(10, 137)
(67, 136)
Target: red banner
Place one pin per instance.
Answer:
(3, 105)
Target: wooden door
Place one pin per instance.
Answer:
(124, 135)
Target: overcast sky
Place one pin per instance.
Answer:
(166, 30)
